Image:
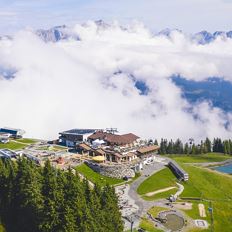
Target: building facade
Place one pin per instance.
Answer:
(14, 133)
(72, 137)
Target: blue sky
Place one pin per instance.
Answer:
(188, 15)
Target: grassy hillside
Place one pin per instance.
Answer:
(162, 195)
(203, 183)
(160, 180)
(96, 177)
(26, 140)
(17, 144)
(13, 145)
(205, 158)
(214, 187)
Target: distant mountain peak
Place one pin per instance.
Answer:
(102, 23)
(56, 34)
(168, 31)
(205, 37)
(63, 32)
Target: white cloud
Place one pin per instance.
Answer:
(7, 13)
(71, 84)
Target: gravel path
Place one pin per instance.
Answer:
(136, 207)
(159, 191)
(180, 190)
(136, 201)
(143, 205)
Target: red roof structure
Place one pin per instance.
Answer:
(114, 139)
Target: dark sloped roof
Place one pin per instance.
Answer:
(113, 138)
(148, 149)
(100, 151)
(79, 131)
(85, 146)
(97, 135)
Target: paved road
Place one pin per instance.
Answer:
(144, 206)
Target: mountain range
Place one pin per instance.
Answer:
(215, 90)
(58, 33)
(63, 32)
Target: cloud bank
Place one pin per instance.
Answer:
(91, 83)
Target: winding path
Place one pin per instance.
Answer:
(144, 206)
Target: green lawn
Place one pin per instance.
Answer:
(154, 211)
(199, 230)
(209, 184)
(96, 177)
(163, 195)
(212, 186)
(17, 144)
(148, 225)
(26, 140)
(194, 212)
(203, 183)
(210, 157)
(12, 145)
(58, 148)
(52, 148)
(159, 180)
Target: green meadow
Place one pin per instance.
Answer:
(95, 177)
(205, 185)
(17, 144)
(205, 158)
(160, 180)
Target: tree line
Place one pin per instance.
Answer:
(206, 146)
(44, 199)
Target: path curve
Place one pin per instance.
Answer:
(144, 206)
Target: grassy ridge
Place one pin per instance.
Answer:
(96, 177)
(12, 145)
(26, 140)
(17, 144)
(160, 180)
(216, 187)
(203, 183)
(205, 158)
(212, 186)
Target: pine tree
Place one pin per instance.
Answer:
(170, 149)
(208, 145)
(113, 222)
(28, 200)
(186, 149)
(194, 150)
(50, 216)
(156, 142)
(45, 199)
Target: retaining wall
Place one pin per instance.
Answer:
(114, 171)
